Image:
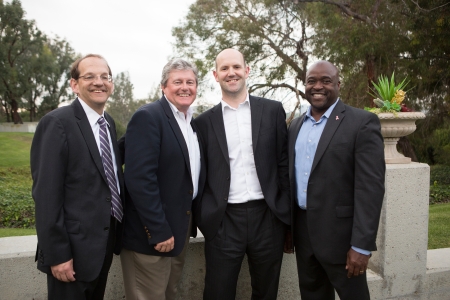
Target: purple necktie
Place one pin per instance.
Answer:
(116, 208)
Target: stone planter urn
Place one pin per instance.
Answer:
(393, 127)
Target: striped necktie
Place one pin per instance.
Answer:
(116, 208)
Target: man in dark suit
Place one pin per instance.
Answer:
(162, 172)
(336, 166)
(245, 204)
(77, 183)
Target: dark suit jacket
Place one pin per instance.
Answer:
(158, 180)
(346, 183)
(269, 137)
(70, 189)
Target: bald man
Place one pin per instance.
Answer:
(336, 166)
(245, 204)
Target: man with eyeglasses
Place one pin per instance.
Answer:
(78, 186)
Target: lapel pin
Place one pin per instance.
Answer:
(337, 118)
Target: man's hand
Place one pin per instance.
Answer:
(64, 272)
(288, 244)
(356, 263)
(165, 246)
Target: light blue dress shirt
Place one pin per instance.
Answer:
(305, 150)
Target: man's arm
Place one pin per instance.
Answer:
(48, 168)
(369, 192)
(142, 153)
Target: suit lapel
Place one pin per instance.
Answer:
(176, 130)
(336, 117)
(256, 108)
(86, 130)
(216, 118)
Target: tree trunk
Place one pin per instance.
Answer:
(370, 65)
(14, 111)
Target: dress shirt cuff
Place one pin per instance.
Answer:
(362, 251)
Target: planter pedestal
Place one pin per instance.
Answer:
(393, 127)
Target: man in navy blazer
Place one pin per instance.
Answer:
(244, 209)
(337, 169)
(76, 231)
(162, 175)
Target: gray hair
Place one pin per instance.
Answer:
(177, 64)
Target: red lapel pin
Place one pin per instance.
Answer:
(337, 118)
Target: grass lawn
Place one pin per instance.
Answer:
(5, 232)
(439, 226)
(15, 149)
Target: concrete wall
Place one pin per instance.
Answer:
(402, 268)
(25, 127)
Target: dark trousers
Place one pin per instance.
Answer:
(249, 228)
(318, 280)
(80, 290)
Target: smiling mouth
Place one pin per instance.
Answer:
(317, 95)
(233, 80)
(184, 95)
(98, 91)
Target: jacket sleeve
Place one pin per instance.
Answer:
(49, 155)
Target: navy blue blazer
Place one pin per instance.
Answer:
(158, 181)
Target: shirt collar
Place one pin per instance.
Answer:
(325, 115)
(224, 104)
(175, 110)
(91, 114)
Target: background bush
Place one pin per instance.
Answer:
(16, 203)
(440, 184)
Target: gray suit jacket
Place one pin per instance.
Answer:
(346, 184)
(269, 137)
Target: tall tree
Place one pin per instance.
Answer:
(20, 41)
(57, 78)
(367, 38)
(272, 35)
(119, 104)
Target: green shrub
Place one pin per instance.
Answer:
(439, 184)
(16, 203)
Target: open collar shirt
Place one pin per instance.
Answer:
(190, 137)
(244, 182)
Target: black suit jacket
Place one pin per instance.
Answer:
(158, 180)
(71, 192)
(346, 184)
(269, 137)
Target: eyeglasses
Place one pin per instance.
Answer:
(89, 78)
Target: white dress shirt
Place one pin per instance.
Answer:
(93, 117)
(190, 137)
(244, 182)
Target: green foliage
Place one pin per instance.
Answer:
(385, 89)
(439, 226)
(439, 184)
(432, 141)
(16, 203)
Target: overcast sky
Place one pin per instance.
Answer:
(133, 35)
